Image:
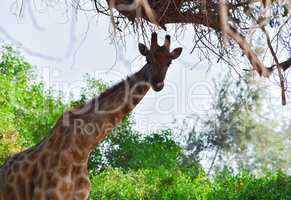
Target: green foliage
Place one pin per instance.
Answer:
(129, 150)
(237, 130)
(125, 148)
(273, 186)
(27, 111)
(111, 152)
(230, 119)
(160, 183)
(230, 123)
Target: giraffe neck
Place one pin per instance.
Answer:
(81, 129)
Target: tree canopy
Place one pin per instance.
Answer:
(258, 29)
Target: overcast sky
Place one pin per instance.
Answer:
(65, 46)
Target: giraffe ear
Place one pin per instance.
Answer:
(143, 49)
(176, 53)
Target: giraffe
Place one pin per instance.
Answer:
(56, 168)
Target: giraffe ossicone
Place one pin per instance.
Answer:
(56, 168)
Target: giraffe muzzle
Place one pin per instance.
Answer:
(158, 86)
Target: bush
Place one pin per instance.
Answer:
(129, 150)
(158, 183)
(244, 186)
(165, 184)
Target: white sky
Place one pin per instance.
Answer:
(65, 47)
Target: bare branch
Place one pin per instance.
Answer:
(237, 21)
(279, 67)
(242, 42)
(284, 65)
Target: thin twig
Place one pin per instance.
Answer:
(213, 161)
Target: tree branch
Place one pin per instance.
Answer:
(279, 67)
(201, 12)
(284, 65)
(241, 41)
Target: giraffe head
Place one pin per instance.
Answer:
(158, 59)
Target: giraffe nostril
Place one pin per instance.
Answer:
(160, 84)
